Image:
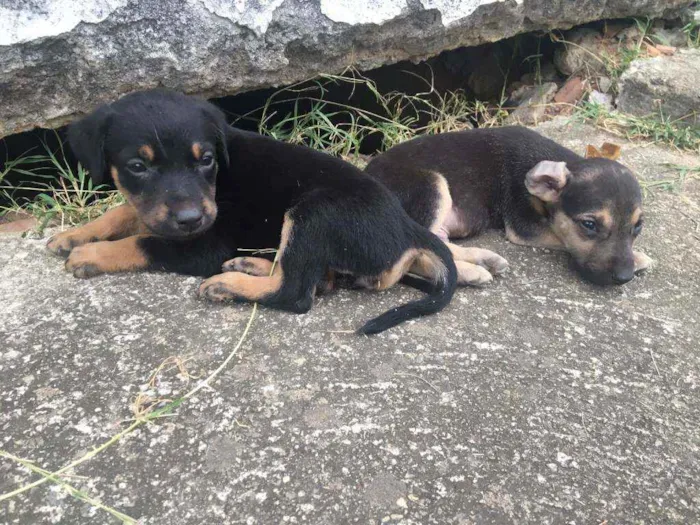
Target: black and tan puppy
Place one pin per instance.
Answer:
(197, 189)
(458, 184)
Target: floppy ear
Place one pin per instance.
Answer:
(546, 180)
(215, 117)
(86, 138)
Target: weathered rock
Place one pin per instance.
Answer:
(572, 91)
(601, 99)
(581, 52)
(59, 58)
(674, 36)
(665, 84)
(547, 73)
(532, 103)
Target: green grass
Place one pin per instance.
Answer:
(692, 31)
(673, 183)
(339, 128)
(65, 196)
(655, 128)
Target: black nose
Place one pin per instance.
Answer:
(189, 219)
(623, 276)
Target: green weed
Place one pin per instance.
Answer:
(67, 197)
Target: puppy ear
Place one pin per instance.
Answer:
(546, 180)
(86, 138)
(610, 151)
(215, 117)
(592, 152)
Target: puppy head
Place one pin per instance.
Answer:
(595, 209)
(162, 150)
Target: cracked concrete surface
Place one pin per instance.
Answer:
(538, 399)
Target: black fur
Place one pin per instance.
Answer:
(343, 220)
(486, 170)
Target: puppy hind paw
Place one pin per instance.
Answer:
(487, 259)
(472, 274)
(248, 265)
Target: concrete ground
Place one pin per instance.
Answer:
(538, 399)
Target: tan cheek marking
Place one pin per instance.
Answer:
(131, 199)
(567, 231)
(196, 150)
(209, 207)
(147, 152)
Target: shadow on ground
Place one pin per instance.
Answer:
(539, 399)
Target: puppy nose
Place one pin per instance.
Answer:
(623, 275)
(189, 218)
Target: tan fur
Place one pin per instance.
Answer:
(107, 257)
(390, 277)
(487, 259)
(116, 223)
(467, 273)
(444, 206)
(547, 240)
(604, 217)
(147, 152)
(642, 261)
(636, 215)
(197, 151)
(566, 230)
(152, 215)
(233, 284)
(250, 265)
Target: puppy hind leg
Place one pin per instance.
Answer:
(256, 266)
(487, 259)
(467, 273)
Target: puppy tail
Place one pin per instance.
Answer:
(439, 294)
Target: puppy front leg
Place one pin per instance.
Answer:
(116, 223)
(95, 258)
(543, 239)
(201, 256)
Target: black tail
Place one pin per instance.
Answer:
(440, 294)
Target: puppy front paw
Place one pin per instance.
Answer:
(642, 262)
(217, 289)
(85, 261)
(63, 243)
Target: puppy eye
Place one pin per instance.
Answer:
(136, 166)
(207, 160)
(638, 227)
(588, 225)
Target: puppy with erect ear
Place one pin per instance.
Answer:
(547, 179)
(458, 184)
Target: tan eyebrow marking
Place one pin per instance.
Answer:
(147, 152)
(197, 150)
